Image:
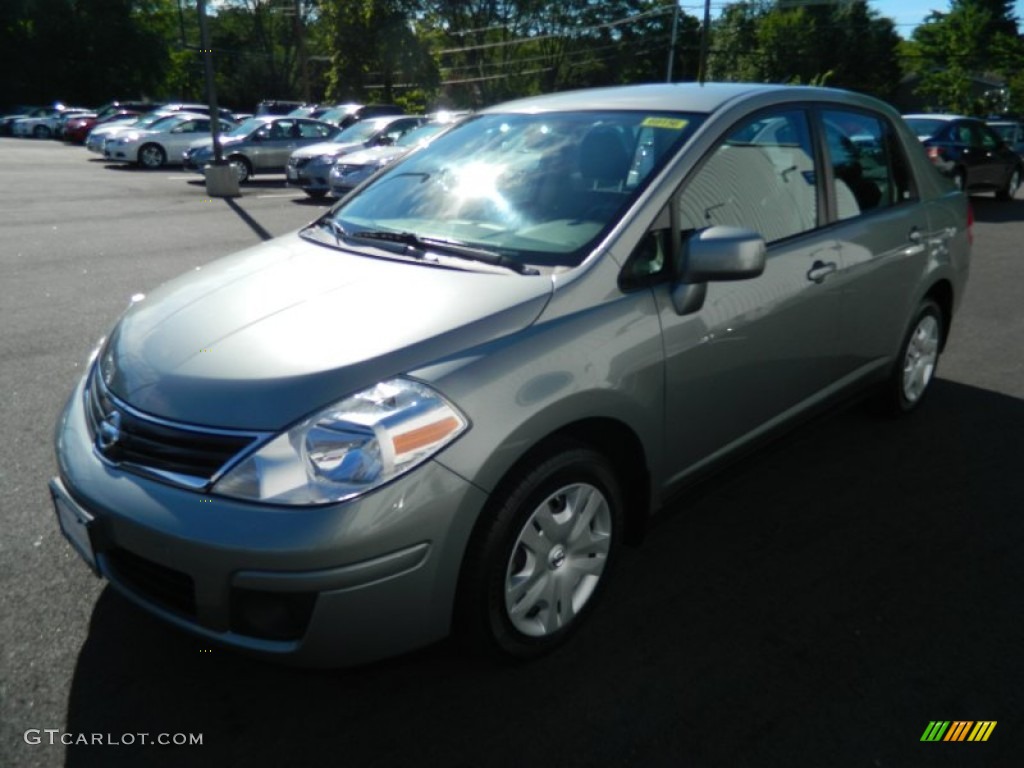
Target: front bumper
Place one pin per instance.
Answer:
(313, 175)
(319, 586)
(120, 153)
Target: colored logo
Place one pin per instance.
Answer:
(958, 730)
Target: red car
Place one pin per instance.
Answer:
(78, 128)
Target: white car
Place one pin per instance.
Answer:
(97, 137)
(42, 126)
(165, 139)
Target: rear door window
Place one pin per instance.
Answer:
(869, 168)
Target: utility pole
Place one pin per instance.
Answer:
(705, 34)
(300, 44)
(672, 43)
(220, 177)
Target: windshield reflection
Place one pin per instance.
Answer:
(539, 188)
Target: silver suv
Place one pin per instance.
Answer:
(449, 401)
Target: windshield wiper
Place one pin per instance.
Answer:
(447, 247)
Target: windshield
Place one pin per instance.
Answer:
(247, 127)
(538, 188)
(926, 127)
(420, 135)
(357, 133)
(1007, 131)
(336, 114)
(166, 123)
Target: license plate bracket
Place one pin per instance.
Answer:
(75, 523)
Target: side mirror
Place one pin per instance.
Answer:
(715, 254)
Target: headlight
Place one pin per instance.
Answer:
(327, 159)
(348, 448)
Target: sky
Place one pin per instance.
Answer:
(909, 13)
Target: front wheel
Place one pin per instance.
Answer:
(152, 156)
(540, 561)
(1009, 190)
(917, 361)
(41, 132)
(316, 194)
(242, 166)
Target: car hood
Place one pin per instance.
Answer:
(326, 148)
(262, 338)
(374, 155)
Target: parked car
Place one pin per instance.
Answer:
(279, 107)
(310, 166)
(162, 142)
(344, 115)
(1010, 131)
(42, 124)
(61, 125)
(77, 129)
(98, 136)
(16, 113)
(446, 403)
(259, 145)
(970, 153)
(353, 169)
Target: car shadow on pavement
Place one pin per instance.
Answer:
(815, 605)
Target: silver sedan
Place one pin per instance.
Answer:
(446, 404)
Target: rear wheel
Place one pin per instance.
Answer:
(41, 132)
(152, 156)
(1009, 191)
(919, 356)
(537, 567)
(317, 194)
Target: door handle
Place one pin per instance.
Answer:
(916, 243)
(820, 270)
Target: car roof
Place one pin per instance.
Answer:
(943, 117)
(685, 97)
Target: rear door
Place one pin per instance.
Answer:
(882, 229)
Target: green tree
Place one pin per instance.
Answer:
(950, 50)
(83, 52)
(377, 53)
(847, 45)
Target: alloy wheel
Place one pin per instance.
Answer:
(920, 358)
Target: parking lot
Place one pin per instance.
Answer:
(816, 605)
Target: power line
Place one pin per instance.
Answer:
(536, 38)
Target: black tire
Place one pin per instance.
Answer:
(242, 166)
(553, 529)
(1009, 190)
(918, 360)
(151, 156)
(316, 194)
(41, 132)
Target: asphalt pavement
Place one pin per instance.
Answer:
(818, 604)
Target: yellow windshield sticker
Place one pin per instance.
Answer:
(664, 122)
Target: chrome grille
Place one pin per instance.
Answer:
(125, 436)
